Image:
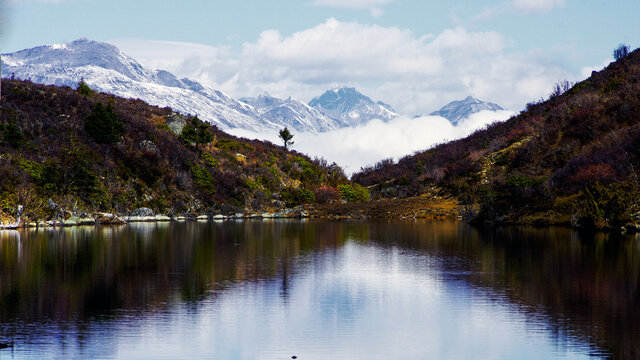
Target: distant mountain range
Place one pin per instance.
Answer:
(462, 109)
(104, 68)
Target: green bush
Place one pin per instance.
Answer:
(12, 134)
(84, 89)
(293, 196)
(102, 124)
(209, 160)
(354, 192)
(203, 179)
(608, 206)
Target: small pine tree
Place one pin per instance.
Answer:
(621, 52)
(286, 137)
(84, 89)
(103, 125)
(197, 132)
(12, 134)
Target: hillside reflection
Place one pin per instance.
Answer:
(584, 287)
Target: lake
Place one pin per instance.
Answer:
(318, 290)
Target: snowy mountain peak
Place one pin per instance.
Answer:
(351, 107)
(461, 109)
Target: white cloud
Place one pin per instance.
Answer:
(536, 6)
(587, 70)
(413, 73)
(353, 148)
(352, 4)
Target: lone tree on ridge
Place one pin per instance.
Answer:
(286, 137)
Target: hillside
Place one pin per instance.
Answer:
(52, 157)
(573, 158)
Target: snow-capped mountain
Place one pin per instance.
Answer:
(350, 107)
(461, 109)
(291, 113)
(104, 68)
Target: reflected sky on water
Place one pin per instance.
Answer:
(317, 290)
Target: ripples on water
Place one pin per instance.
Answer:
(318, 290)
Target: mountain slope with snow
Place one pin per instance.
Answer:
(461, 109)
(104, 68)
(291, 113)
(351, 108)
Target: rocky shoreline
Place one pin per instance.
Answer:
(414, 208)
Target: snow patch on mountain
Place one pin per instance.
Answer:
(462, 109)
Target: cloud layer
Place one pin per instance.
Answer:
(414, 73)
(353, 148)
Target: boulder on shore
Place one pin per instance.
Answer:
(142, 212)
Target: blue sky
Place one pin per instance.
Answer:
(415, 55)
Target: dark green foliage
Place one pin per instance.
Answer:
(286, 137)
(229, 145)
(354, 192)
(196, 132)
(621, 52)
(296, 196)
(72, 174)
(203, 179)
(612, 206)
(102, 124)
(517, 181)
(84, 89)
(12, 134)
(310, 173)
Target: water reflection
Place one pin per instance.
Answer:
(341, 290)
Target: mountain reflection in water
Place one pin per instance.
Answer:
(342, 290)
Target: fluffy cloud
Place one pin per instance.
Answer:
(414, 73)
(353, 148)
(536, 6)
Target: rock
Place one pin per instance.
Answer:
(162, 218)
(86, 221)
(68, 223)
(277, 204)
(267, 215)
(219, 217)
(108, 219)
(255, 216)
(180, 218)
(51, 204)
(142, 212)
(202, 218)
(238, 215)
(176, 123)
(148, 147)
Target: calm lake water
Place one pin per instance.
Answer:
(318, 290)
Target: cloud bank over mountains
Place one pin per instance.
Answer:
(356, 147)
(414, 73)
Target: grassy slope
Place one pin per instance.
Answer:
(46, 153)
(572, 158)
